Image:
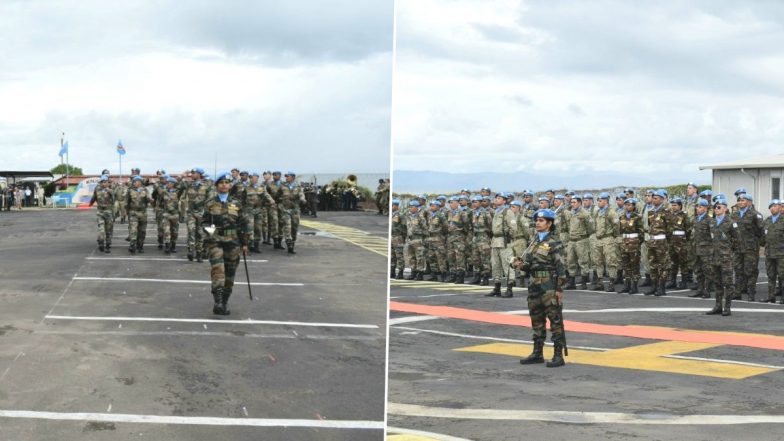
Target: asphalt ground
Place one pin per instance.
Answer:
(640, 367)
(89, 352)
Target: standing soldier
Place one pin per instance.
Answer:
(619, 210)
(382, 196)
(134, 172)
(521, 233)
(580, 228)
(502, 237)
(690, 208)
(104, 196)
(631, 234)
(679, 244)
(273, 187)
(256, 197)
(397, 260)
(644, 268)
(702, 243)
(773, 241)
(481, 225)
(543, 262)
(169, 204)
(748, 222)
(120, 192)
(158, 187)
(290, 197)
(136, 203)
(416, 229)
(604, 246)
(227, 234)
(198, 191)
(725, 243)
(529, 208)
(436, 243)
(458, 227)
(659, 229)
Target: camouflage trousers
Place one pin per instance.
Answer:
(415, 254)
(722, 277)
(658, 259)
(195, 233)
(224, 259)
(630, 258)
(679, 257)
(288, 224)
(644, 258)
(159, 219)
(119, 210)
(456, 253)
(171, 224)
(499, 262)
(775, 269)
(270, 221)
(703, 273)
(436, 253)
(480, 255)
(398, 259)
(591, 253)
(746, 270)
(256, 219)
(578, 253)
(603, 255)
(137, 226)
(105, 225)
(542, 304)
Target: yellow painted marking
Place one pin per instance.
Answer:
(649, 357)
(362, 239)
(406, 437)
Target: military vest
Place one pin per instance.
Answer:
(138, 199)
(231, 224)
(290, 196)
(169, 201)
(104, 197)
(416, 225)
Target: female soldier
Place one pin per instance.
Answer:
(543, 262)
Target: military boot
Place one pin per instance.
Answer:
(255, 247)
(682, 283)
(672, 283)
(700, 290)
(570, 283)
(420, 275)
(557, 357)
(399, 274)
(496, 292)
(508, 292)
(655, 288)
(217, 297)
(391, 272)
(634, 289)
(460, 279)
(132, 248)
(225, 301)
(166, 249)
(597, 284)
(290, 247)
(690, 280)
(198, 256)
(451, 277)
(627, 286)
(611, 285)
(583, 284)
(485, 280)
(190, 256)
(140, 247)
(267, 239)
(278, 244)
(661, 286)
(537, 355)
(101, 246)
(752, 294)
(430, 277)
(716, 307)
(647, 281)
(160, 242)
(619, 277)
(477, 278)
(727, 306)
(442, 277)
(173, 247)
(108, 248)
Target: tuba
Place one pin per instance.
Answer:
(352, 180)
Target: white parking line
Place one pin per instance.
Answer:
(204, 282)
(579, 417)
(213, 334)
(194, 421)
(166, 259)
(184, 320)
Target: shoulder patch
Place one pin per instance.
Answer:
(759, 216)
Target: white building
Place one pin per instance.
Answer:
(761, 177)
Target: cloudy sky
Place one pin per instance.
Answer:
(298, 85)
(575, 87)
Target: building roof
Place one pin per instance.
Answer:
(773, 161)
(26, 174)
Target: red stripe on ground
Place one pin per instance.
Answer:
(762, 341)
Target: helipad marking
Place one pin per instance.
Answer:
(401, 434)
(204, 282)
(557, 416)
(650, 357)
(194, 421)
(362, 239)
(762, 341)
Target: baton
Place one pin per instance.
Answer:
(247, 276)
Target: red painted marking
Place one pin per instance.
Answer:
(761, 341)
(83, 206)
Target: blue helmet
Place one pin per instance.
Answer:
(517, 203)
(719, 196)
(739, 191)
(487, 189)
(486, 198)
(290, 173)
(545, 213)
(720, 201)
(224, 176)
(677, 200)
(632, 201)
(396, 202)
(137, 178)
(706, 193)
(462, 197)
(528, 193)
(660, 193)
(422, 196)
(774, 202)
(198, 170)
(570, 193)
(500, 195)
(413, 203)
(543, 198)
(104, 178)
(441, 198)
(604, 195)
(454, 198)
(435, 202)
(559, 196)
(746, 196)
(703, 203)
(171, 180)
(629, 190)
(476, 198)
(620, 196)
(588, 196)
(650, 192)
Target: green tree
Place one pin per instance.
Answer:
(72, 170)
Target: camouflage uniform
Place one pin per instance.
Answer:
(272, 213)
(158, 188)
(289, 197)
(500, 244)
(603, 251)
(690, 208)
(197, 192)
(679, 248)
(256, 198)
(120, 191)
(436, 243)
(578, 252)
(703, 254)
(773, 240)
(105, 198)
(631, 232)
(416, 228)
(458, 229)
(659, 230)
(749, 226)
(169, 204)
(397, 260)
(725, 243)
(136, 203)
(232, 231)
(481, 225)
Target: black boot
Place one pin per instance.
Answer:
(496, 292)
(140, 248)
(160, 242)
(132, 248)
(583, 285)
(557, 357)
(399, 274)
(485, 280)
(420, 275)
(108, 248)
(660, 292)
(460, 279)
(716, 307)
(596, 283)
(217, 297)
(634, 289)
(611, 285)
(752, 294)
(190, 256)
(199, 257)
(508, 292)
(476, 279)
(278, 244)
(267, 239)
(672, 284)
(619, 278)
(690, 280)
(646, 281)
(682, 283)
(392, 272)
(290, 247)
(570, 283)
(536, 356)
(225, 301)
(101, 246)
(173, 247)
(166, 249)
(452, 277)
(655, 288)
(727, 306)
(627, 286)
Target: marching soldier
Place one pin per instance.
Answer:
(773, 241)
(157, 187)
(136, 203)
(416, 229)
(543, 262)
(227, 234)
(256, 197)
(632, 235)
(273, 187)
(436, 242)
(397, 259)
(105, 198)
(169, 204)
(679, 245)
(458, 229)
(703, 250)
(197, 191)
(725, 243)
(499, 261)
(290, 197)
(748, 222)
